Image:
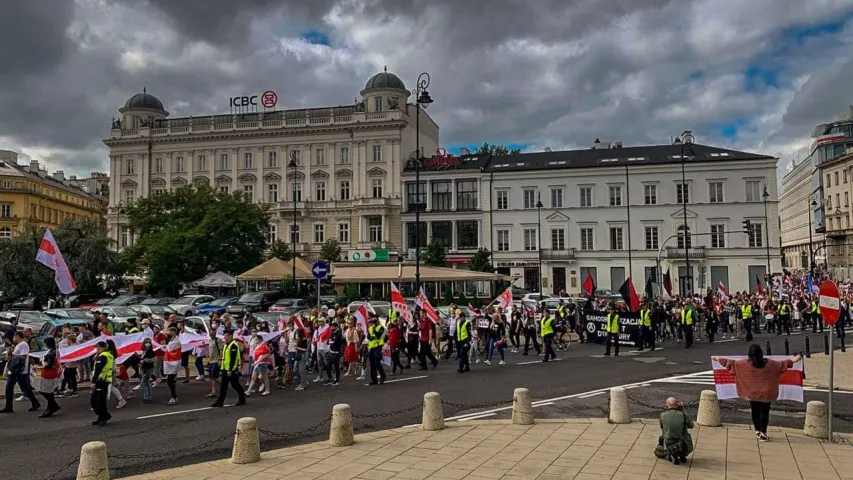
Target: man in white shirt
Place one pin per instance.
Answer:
(18, 373)
(321, 343)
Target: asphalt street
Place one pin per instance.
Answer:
(152, 437)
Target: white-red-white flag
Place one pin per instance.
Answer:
(504, 300)
(722, 292)
(49, 255)
(423, 302)
(361, 316)
(790, 382)
(298, 322)
(398, 302)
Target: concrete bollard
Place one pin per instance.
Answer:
(340, 434)
(817, 420)
(247, 443)
(433, 416)
(522, 407)
(709, 409)
(619, 411)
(93, 462)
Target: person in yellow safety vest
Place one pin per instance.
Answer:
(611, 327)
(688, 318)
(375, 342)
(746, 315)
(647, 336)
(784, 318)
(546, 328)
(463, 342)
(103, 377)
(816, 319)
(230, 370)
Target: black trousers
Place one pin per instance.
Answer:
(515, 338)
(377, 370)
(548, 340)
(425, 353)
(171, 379)
(98, 401)
(747, 327)
(464, 354)
(784, 324)
(530, 334)
(69, 379)
(614, 337)
(450, 341)
(52, 406)
(647, 337)
(411, 349)
(395, 360)
(760, 415)
(816, 322)
(688, 335)
(232, 379)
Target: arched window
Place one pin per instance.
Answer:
(5, 232)
(684, 236)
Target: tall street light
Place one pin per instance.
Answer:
(812, 205)
(539, 240)
(765, 196)
(422, 100)
(293, 165)
(686, 142)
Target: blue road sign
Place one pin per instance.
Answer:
(320, 269)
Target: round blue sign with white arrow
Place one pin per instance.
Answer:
(320, 269)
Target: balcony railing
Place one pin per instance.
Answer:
(567, 254)
(675, 253)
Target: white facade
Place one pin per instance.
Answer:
(346, 186)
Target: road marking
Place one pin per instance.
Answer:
(402, 379)
(178, 412)
(644, 351)
(542, 404)
(477, 417)
(538, 361)
(592, 395)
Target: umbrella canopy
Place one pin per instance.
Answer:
(217, 279)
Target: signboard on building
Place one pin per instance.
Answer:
(249, 103)
(375, 255)
(516, 264)
(594, 323)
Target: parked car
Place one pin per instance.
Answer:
(289, 306)
(29, 303)
(158, 312)
(381, 309)
(27, 318)
(158, 301)
(125, 300)
(445, 310)
(69, 313)
(216, 306)
(53, 328)
(83, 299)
(102, 302)
(253, 302)
(534, 297)
(188, 304)
(118, 315)
(196, 324)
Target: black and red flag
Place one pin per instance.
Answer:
(630, 295)
(667, 283)
(589, 285)
(758, 286)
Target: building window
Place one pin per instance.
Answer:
(158, 191)
(5, 232)
(615, 196)
(345, 155)
(586, 196)
(179, 164)
(616, 238)
(556, 198)
(650, 194)
(343, 232)
(530, 243)
(296, 156)
(377, 153)
(442, 197)
(320, 191)
(202, 163)
(319, 233)
(158, 165)
(374, 229)
(128, 197)
(377, 104)
(7, 185)
(529, 198)
(5, 210)
(272, 159)
(755, 235)
(321, 156)
(272, 234)
(715, 192)
(503, 240)
(684, 238)
(682, 193)
(467, 234)
(502, 199)
(753, 191)
(249, 192)
(412, 240)
(247, 160)
(125, 237)
(296, 192)
(442, 234)
(466, 195)
(294, 233)
(415, 197)
(718, 236)
(344, 189)
(129, 166)
(828, 180)
(829, 202)
(837, 200)
(587, 239)
(652, 238)
(846, 199)
(223, 161)
(558, 239)
(272, 193)
(223, 189)
(836, 178)
(376, 187)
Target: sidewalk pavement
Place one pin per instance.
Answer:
(817, 370)
(585, 449)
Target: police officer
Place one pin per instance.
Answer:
(375, 342)
(647, 336)
(547, 330)
(463, 342)
(784, 318)
(611, 326)
(232, 366)
(816, 318)
(103, 377)
(688, 317)
(746, 316)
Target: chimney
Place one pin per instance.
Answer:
(73, 177)
(59, 175)
(34, 166)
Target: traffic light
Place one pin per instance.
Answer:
(747, 226)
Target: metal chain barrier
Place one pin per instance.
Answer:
(393, 413)
(462, 406)
(194, 449)
(290, 436)
(62, 469)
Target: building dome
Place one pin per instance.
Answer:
(144, 100)
(385, 80)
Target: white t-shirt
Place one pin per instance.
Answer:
(22, 349)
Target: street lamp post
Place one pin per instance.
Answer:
(293, 165)
(422, 100)
(765, 196)
(539, 239)
(686, 142)
(811, 253)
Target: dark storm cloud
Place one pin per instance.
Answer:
(33, 37)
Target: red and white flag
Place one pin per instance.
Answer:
(323, 334)
(790, 382)
(423, 302)
(126, 345)
(504, 300)
(49, 255)
(398, 302)
(298, 322)
(722, 292)
(361, 316)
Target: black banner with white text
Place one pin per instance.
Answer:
(595, 323)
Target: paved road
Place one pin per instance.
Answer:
(191, 432)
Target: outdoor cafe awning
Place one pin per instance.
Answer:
(217, 279)
(276, 269)
(378, 273)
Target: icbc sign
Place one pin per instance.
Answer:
(244, 102)
(269, 99)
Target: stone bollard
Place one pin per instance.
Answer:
(522, 408)
(817, 420)
(709, 409)
(247, 443)
(340, 434)
(619, 412)
(93, 462)
(433, 416)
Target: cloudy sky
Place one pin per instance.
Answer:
(755, 75)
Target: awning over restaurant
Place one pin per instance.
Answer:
(276, 269)
(377, 273)
(217, 279)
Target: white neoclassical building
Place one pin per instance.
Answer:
(346, 184)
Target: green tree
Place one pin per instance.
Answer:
(434, 255)
(351, 292)
(447, 296)
(288, 287)
(85, 247)
(485, 149)
(279, 249)
(482, 261)
(331, 251)
(189, 232)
